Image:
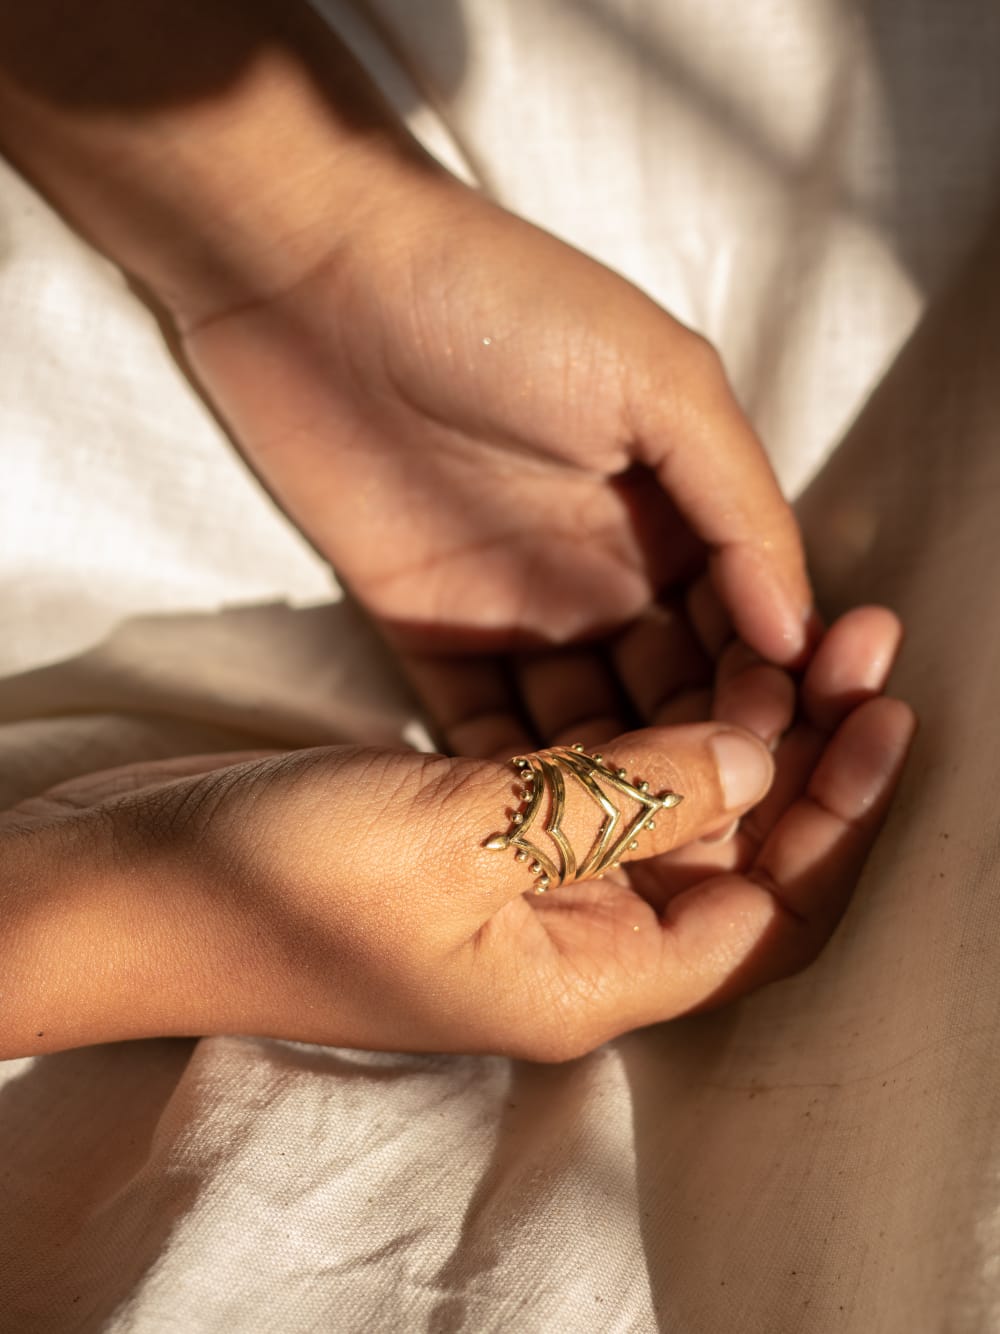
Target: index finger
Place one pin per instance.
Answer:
(691, 430)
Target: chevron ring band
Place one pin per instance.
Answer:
(549, 773)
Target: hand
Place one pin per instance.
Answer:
(505, 449)
(499, 443)
(345, 896)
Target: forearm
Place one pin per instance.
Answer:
(134, 903)
(216, 149)
(82, 946)
(116, 920)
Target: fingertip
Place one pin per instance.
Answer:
(771, 608)
(757, 696)
(852, 664)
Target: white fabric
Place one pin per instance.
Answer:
(806, 182)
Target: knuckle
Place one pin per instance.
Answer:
(701, 806)
(700, 361)
(457, 804)
(680, 366)
(185, 819)
(182, 811)
(444, 780)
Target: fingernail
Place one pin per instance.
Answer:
(745, 768)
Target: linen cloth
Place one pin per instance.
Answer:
(811, 184)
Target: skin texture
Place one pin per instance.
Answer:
(540, 486)
(345, 896)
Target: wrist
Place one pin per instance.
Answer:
(221, 186)
(279, 188)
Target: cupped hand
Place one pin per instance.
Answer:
(347, 896)
(508, 452)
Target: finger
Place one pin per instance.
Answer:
(753, 694)
(719, 771)
(708, 617)
(852, 663)
(473, 704)
(671, 553)
(660, 878)
(795, 758)
(656, 657)
(572, 691)
(416, 835)
(821, 840)
(734, 933)
(710, 462)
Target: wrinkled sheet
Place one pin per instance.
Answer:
(811, 185)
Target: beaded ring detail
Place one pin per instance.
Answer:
(551, 770)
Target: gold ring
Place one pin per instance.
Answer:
(548, 771)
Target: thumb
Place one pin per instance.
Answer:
(546, 814)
